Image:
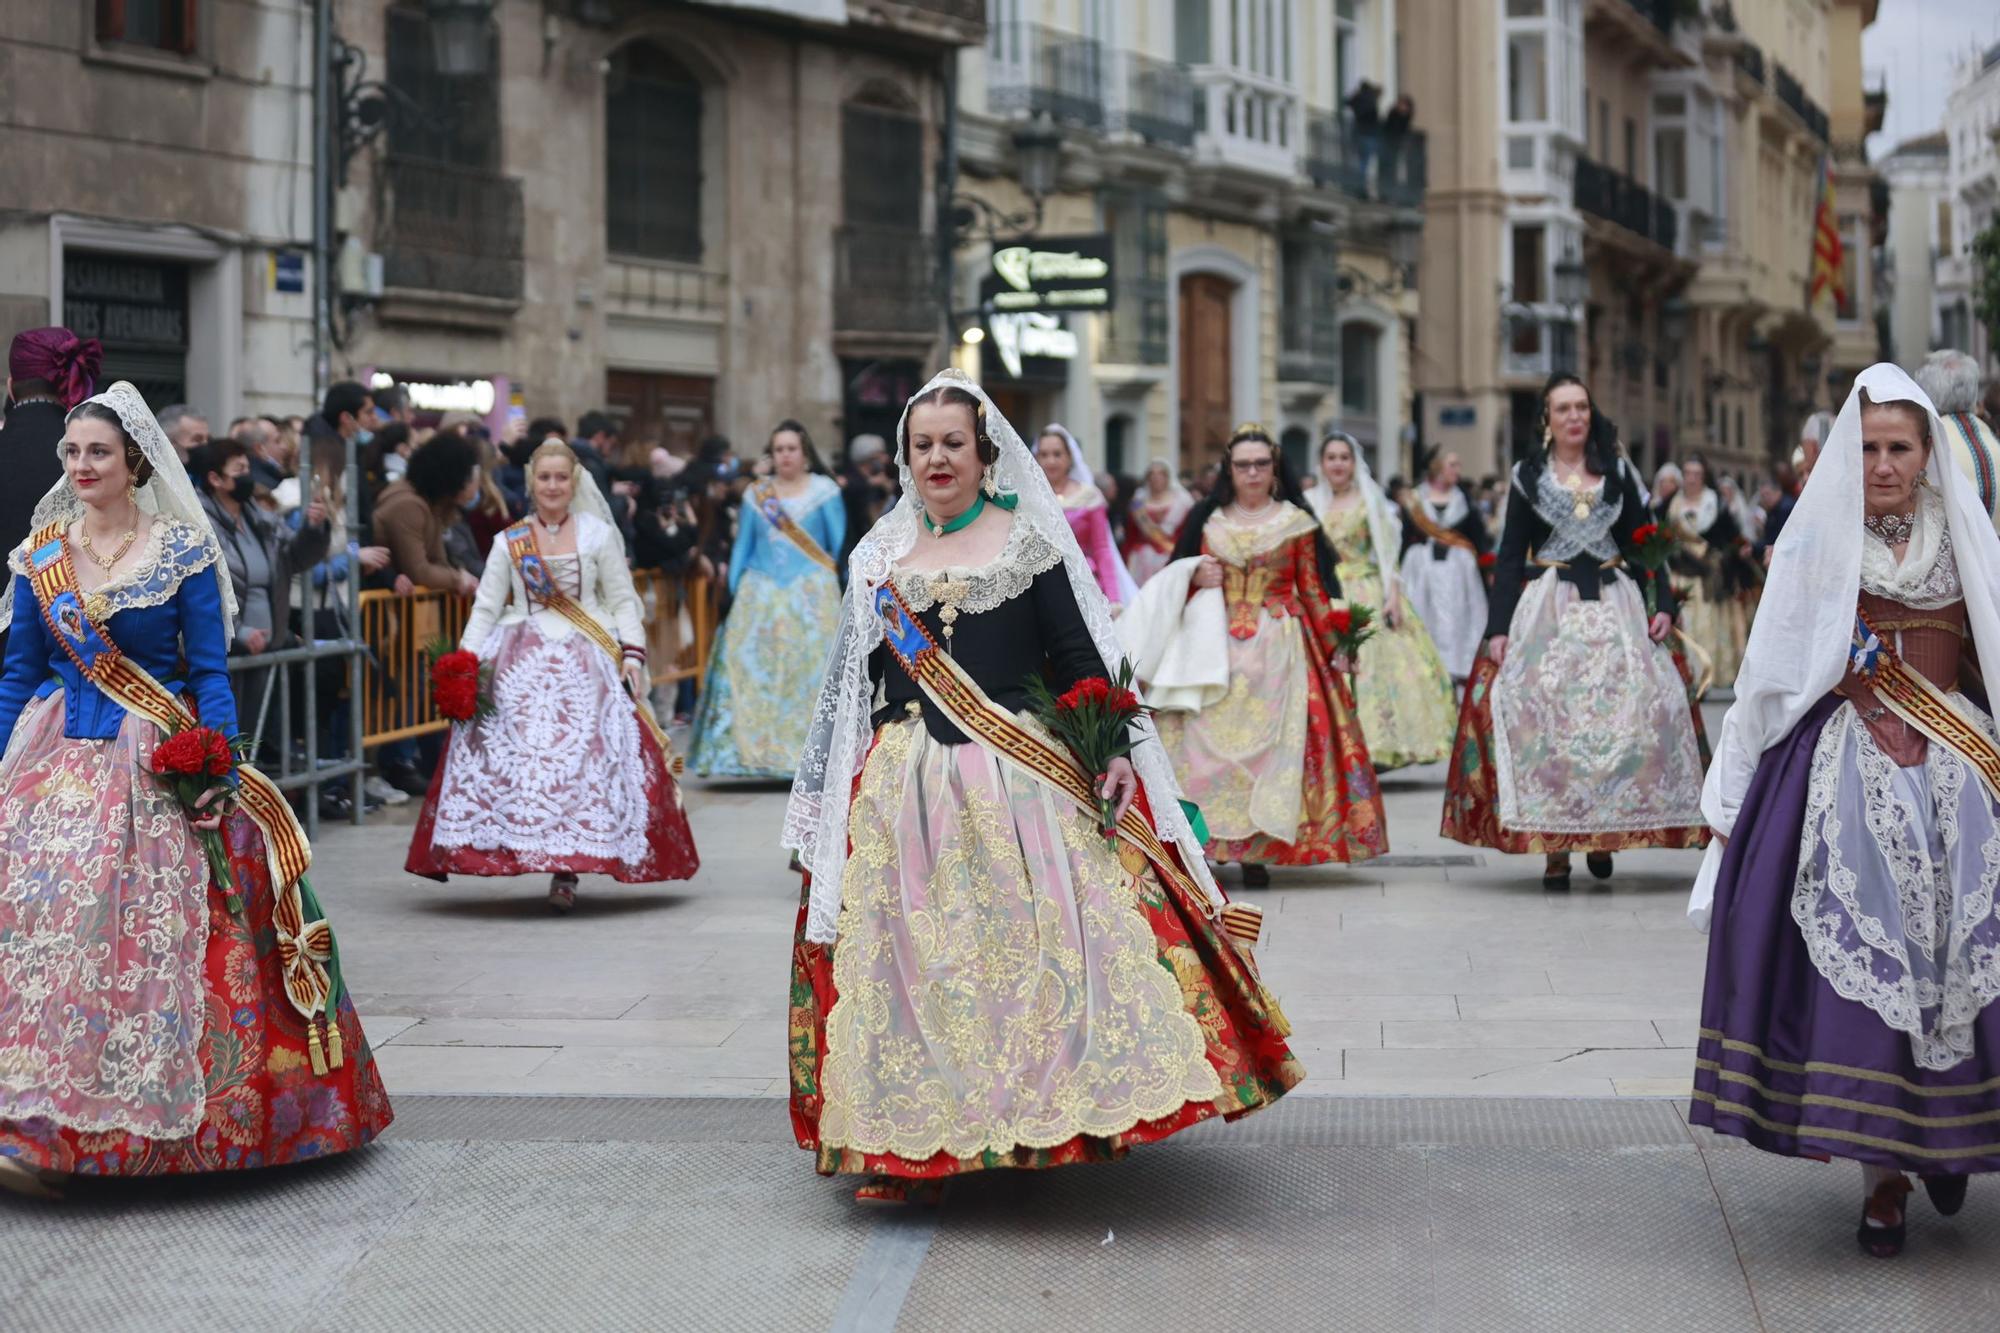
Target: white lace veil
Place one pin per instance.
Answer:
(1175, 491)
(167, 494)
(1385, 530)
(1079, 471)
(587, 499)
(1805, 622)
(816, 817)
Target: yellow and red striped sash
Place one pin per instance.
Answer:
(765, 495)
(1150, 532)
(1433, 530)
(541, 585)
(1907, 694)
(961, 699)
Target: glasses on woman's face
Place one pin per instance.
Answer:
(1250, 465)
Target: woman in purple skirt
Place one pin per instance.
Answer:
(1854, 948)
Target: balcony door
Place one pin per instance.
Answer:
(1205, 371)
(675, 411)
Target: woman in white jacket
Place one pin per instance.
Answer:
(568, 773)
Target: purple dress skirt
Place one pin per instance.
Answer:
(1783, 1061)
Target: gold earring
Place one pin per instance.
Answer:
(987, 484)
(1548, 438)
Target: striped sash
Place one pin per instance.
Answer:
(773, 509)
(1150, 532)
(946, 684)
(1907, 694)
(1433, 530)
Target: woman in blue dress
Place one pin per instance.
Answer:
(785, 603)
(155, 1016)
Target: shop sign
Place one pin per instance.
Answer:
(126, 302)
(1051, 273)
(434, 395)
(1031, 346)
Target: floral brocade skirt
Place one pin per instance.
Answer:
(1280, 768)
(144, 1029)
(1009, 988)
(1402, 696)
(763, 672)
(1589, 739)
(561, 776)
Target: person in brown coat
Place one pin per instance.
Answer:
(411, 515)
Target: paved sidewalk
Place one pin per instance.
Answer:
(1441, 970)
(1376, 1214)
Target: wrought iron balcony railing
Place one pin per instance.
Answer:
(451, 229)
(1750, 59)
(1793, 94)
(1336, 158)
(884, 281)
(1153, 99)
(1616, 197)
(1037, 70)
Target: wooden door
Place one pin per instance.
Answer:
(1205, 370)
(676, 411)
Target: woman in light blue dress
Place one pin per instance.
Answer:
(785, 604)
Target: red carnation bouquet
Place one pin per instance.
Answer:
(460, 683)
(194, 761)
(1651, 547)
(1093, 718)
(1352, 626)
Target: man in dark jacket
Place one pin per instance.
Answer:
(49, 371)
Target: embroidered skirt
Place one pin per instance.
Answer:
(1279, 767)
(559, 777)
(144, 1029)
(1587, 740)
(1403, 698)
(765, 667)
(1010, 989)
(1854, 957)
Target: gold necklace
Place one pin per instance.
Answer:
(103, 563)
(1576, 487)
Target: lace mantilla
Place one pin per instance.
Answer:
(1026, 555)
(1895, 889)
(1927, 576)
(1569, 535)
(173, 552)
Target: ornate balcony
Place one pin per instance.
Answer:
(885, 281)
(1335, 160)
(1616, 197)
(1793, 95)
(1153, 99)
(1036, 70)
(450, 229)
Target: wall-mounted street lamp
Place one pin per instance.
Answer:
(1037, 163)
(461, 36)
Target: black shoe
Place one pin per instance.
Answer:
(1256, 876)
(406, 779)
(1947, 1192)
(1555, 872)
(1883, 1239)
(1600, 865)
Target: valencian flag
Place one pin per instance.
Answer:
(1828, 270)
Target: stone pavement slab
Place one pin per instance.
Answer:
(587, 1213)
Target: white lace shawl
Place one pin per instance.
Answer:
(837, 740)
(1799, 642)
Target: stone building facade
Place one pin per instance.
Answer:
(1972, 195)
(1626, 188)
(1254, 235)
(706, 219)
(156, 192)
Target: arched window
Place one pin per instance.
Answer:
(652, 169)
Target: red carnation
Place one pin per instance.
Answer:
(456, 699)
(1645, 533)
(1341, 619)
(1123, 702)
(186, 753)
(1090, 690)
(459, 665)
(1487, 560)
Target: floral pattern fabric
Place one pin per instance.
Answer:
(1009, 988)
(772, 647)
(1280, 768)
(255, 1100)
(103, 926)
(1402, 697)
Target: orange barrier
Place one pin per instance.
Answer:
(679, 616)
